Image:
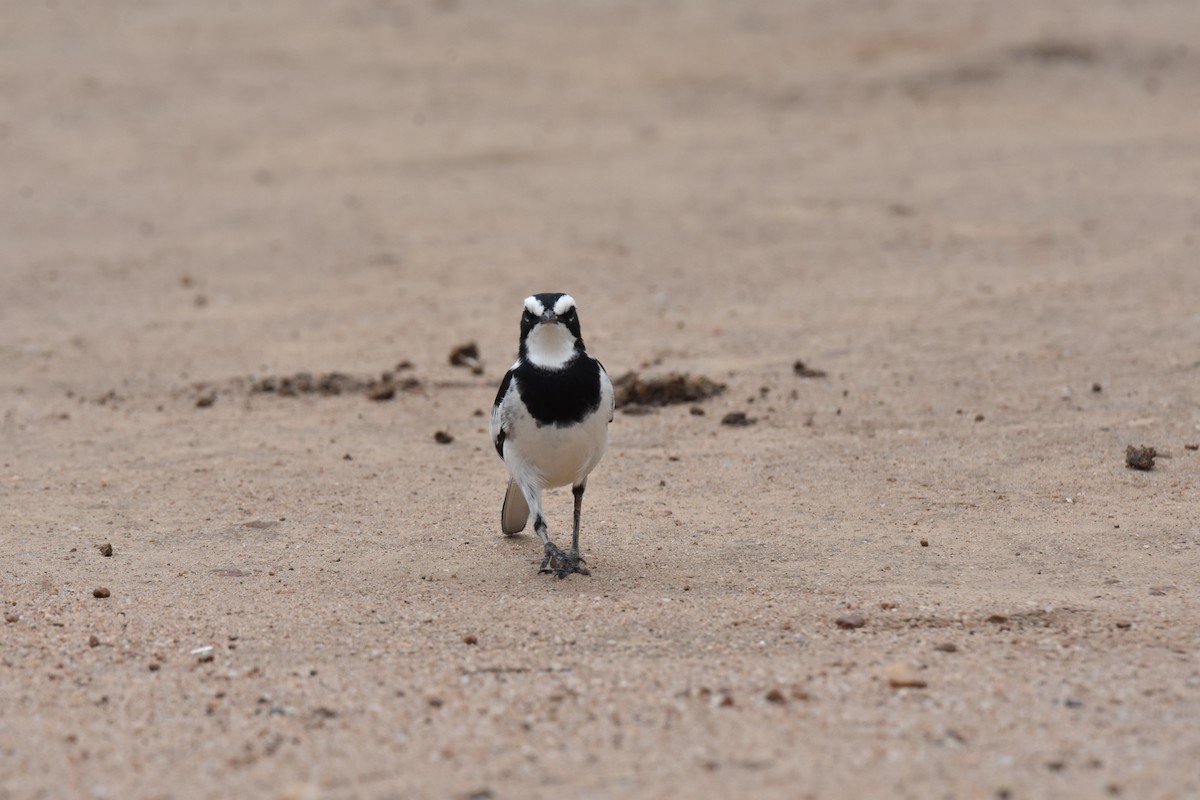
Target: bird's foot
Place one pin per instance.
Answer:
(562, 564)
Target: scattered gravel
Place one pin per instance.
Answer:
(903, 675)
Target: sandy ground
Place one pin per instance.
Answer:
(979, 219)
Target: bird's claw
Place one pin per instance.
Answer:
(556, 562)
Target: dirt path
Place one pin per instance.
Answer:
(978, 220)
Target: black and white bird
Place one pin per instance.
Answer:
(550, 422)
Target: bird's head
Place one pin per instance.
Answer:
(550, 334)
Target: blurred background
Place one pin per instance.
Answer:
(215, 188)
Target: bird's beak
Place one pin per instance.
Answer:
(549, 316)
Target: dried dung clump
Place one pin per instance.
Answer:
(636, 394)
(1140, 457)
(467, 355)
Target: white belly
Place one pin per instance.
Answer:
(557, 456)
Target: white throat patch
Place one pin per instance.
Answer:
(550, 346)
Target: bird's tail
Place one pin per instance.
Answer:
(515, 512)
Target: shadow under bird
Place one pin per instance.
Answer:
(550, 422)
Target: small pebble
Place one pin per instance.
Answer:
(154, 666)
(106, 550)
(10, 617)
(737, 419)
(850, 621)
(924, 543)
(441, 437)
(997, 618)
(382, 391)
(946, 647)
(1124, 624)
(93, 641)
(470, 639)
(903, 675)
(100, 591)
(802, 370)
(775, 696)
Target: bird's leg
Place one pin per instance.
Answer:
(577, 491)
(533, 498)
(552, 555)
(554, 560)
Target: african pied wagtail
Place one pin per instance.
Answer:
(550, 421)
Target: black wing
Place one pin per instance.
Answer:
(497, 431)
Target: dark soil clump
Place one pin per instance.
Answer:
(632, 391)
(802, 370)
(467, 355)
(1140, 457)
(331, 384)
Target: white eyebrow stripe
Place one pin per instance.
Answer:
(534, 306)
(563, 305)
